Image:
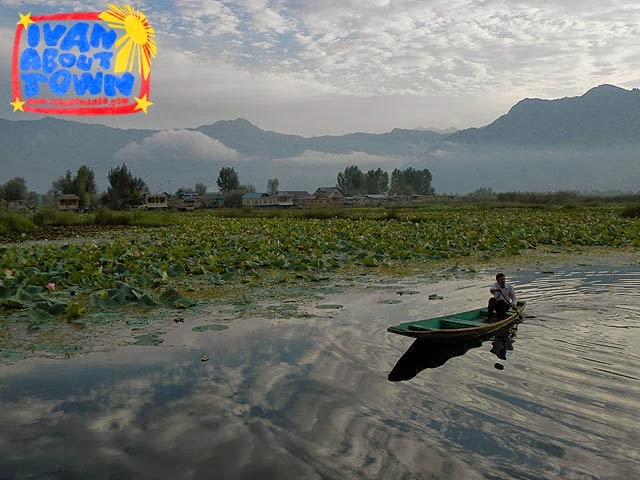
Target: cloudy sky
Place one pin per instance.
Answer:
(336, 66)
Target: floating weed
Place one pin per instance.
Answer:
(329, 307)
(103, 318)
(58, 349)
(149, 339)
(11, 355)
(213, 327)
(286, 310)
(138, 322)
(389, 301)
(284, 307)
(435, 296)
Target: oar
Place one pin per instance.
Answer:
(514, 307)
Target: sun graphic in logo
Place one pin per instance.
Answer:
(137, 44)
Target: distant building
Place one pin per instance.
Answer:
(68, 202)
(186, 201)
(292, 198)
(371, 199)
(213, 200)
(17, 205)
(282, 199)
(155, 201)
(411, 199)
(326, 196)
(329, 192)
(253, 199)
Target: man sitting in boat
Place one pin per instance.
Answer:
(503, 297)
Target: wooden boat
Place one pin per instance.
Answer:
(458, 326)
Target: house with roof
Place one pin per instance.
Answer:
(372, 199)
(155, 201)
(326, 196)
(213, 200)
(253, 199)
(292, 198)
(186, 201)
(68, 202)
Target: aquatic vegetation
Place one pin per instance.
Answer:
(212, 327)
(149, 340)
(164, 266)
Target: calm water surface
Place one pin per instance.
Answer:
(335, 396)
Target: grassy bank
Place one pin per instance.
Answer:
(12, 222)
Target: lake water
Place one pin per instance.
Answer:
(334, 395)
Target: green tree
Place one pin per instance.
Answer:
(201, 189)
(82, 184)
(233, 198)
(15, 189)
(376, 181)
(351, 181)
(64, 185)
(272, 186)
(411, 181)
(85, 182)
(228, 179)
(34, 199)
(124, 189)
(484, 193)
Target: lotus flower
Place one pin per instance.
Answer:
(51, 286)
(136, 254)
(9, 273)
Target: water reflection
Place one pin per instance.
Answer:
(423, 355)
(503, 341)
(312, 400)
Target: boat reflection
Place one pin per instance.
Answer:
(422, 355)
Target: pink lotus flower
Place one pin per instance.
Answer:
(361, 237)
(136, 254)
(9, 273)
(51, 286)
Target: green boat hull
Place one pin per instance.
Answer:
(458, 326)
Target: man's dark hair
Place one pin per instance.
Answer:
(499, 275)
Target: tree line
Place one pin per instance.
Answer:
(125, 190)
(353, 181)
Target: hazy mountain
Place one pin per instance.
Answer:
(587, 142)
(444, 131)
(590, 142)
(249, 140)
(42, 150)
(605, 116)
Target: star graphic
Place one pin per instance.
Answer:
(25, 20)
(142, 103)
(17, 105)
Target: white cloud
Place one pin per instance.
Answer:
(178, 145)
(266, 18)
(362, 159)
(257, 58)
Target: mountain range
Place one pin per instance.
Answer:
(591, 142)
